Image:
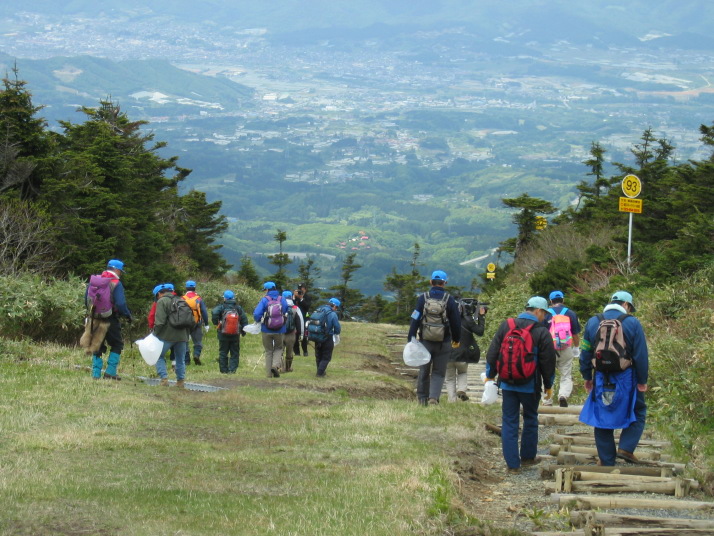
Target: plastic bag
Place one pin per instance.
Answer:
(150, 348)
(490, 393)
(415, 354)
(253, 329)
(336, 339)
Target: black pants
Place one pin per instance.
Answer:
(113, 338)
(323, 354)
(300, 341)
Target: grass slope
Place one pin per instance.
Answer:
(348, 454)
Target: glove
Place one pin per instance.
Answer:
(642, 387)
(548, 394)
(576, 352)
(206, 328)
(588, 385)
(242, 333)
(455, 344)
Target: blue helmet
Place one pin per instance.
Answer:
(190, 284)
(556, 294)
(438, 275)
(335, 302)
(228, 295)
(268, 285)
(116, 264)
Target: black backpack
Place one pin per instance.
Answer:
(181, 314)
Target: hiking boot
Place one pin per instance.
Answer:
(529, 462)
(197, 361)
(180, 384)
(275, 372)
(111, 377)
(513, 470)
(433, 402)
(547, 402)
(164, 382)
(627, 456)
(462, 396)
(563, 402)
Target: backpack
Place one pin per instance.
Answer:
(99, 296)
(610, 348)
(516, 361)
(181, 314)
(561, 329)
(317, 325)
(273, 317)
(290, 321)
(230, 322)
(433, 324)
(195, 307)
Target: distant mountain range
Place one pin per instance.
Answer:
(576, 20)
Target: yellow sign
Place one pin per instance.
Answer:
(491, 267)
(631, 205)
(631, 186)
(541, 223)
(491, 275)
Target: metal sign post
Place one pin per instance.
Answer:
(632, 188)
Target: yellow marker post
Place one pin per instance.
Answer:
(632, 188)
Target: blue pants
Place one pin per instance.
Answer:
(510, 413)
(431, 377)
(629, 437)
(180, 349)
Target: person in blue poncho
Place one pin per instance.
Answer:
(616, 400)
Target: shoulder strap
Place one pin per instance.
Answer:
(551, 311)
(565, 310)
(511, 323)
(622, 317)
(600, 317)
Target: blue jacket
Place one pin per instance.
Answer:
(611, 403)
(452, 314)
(543, 350)
(634, 339)
(262, 307)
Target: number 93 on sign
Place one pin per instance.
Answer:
(631, 186)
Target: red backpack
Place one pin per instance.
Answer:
(516, 361)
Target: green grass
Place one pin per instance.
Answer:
(348, 454)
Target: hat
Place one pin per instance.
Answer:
(556, 294)
(335, 302)
(287, 295)
(163, 287)
(438, 275)
(623, 296)
(268, 285)
(190, 284)
(116, 264)
(168, 286)
(536, 302)
(157, 289)
(228, 295)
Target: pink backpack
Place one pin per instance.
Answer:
(561, 329)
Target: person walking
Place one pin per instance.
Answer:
(522, 392)
(437, 321)
(200, 313)
(173, 338)
(565, 332)
(304, 301)
(271, 311)
(473, 321)
(331, 329)
(107, 331)
(616, 397)
(292, 330)
(230, 321)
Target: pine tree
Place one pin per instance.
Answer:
(281, 260)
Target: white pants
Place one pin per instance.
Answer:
(564, 366)
(456, 378)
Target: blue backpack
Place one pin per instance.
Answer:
(317, 325)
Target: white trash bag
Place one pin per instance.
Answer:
(253, 329)
(490, 393)
(336, 339)
(150, 348)
(415, 354)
